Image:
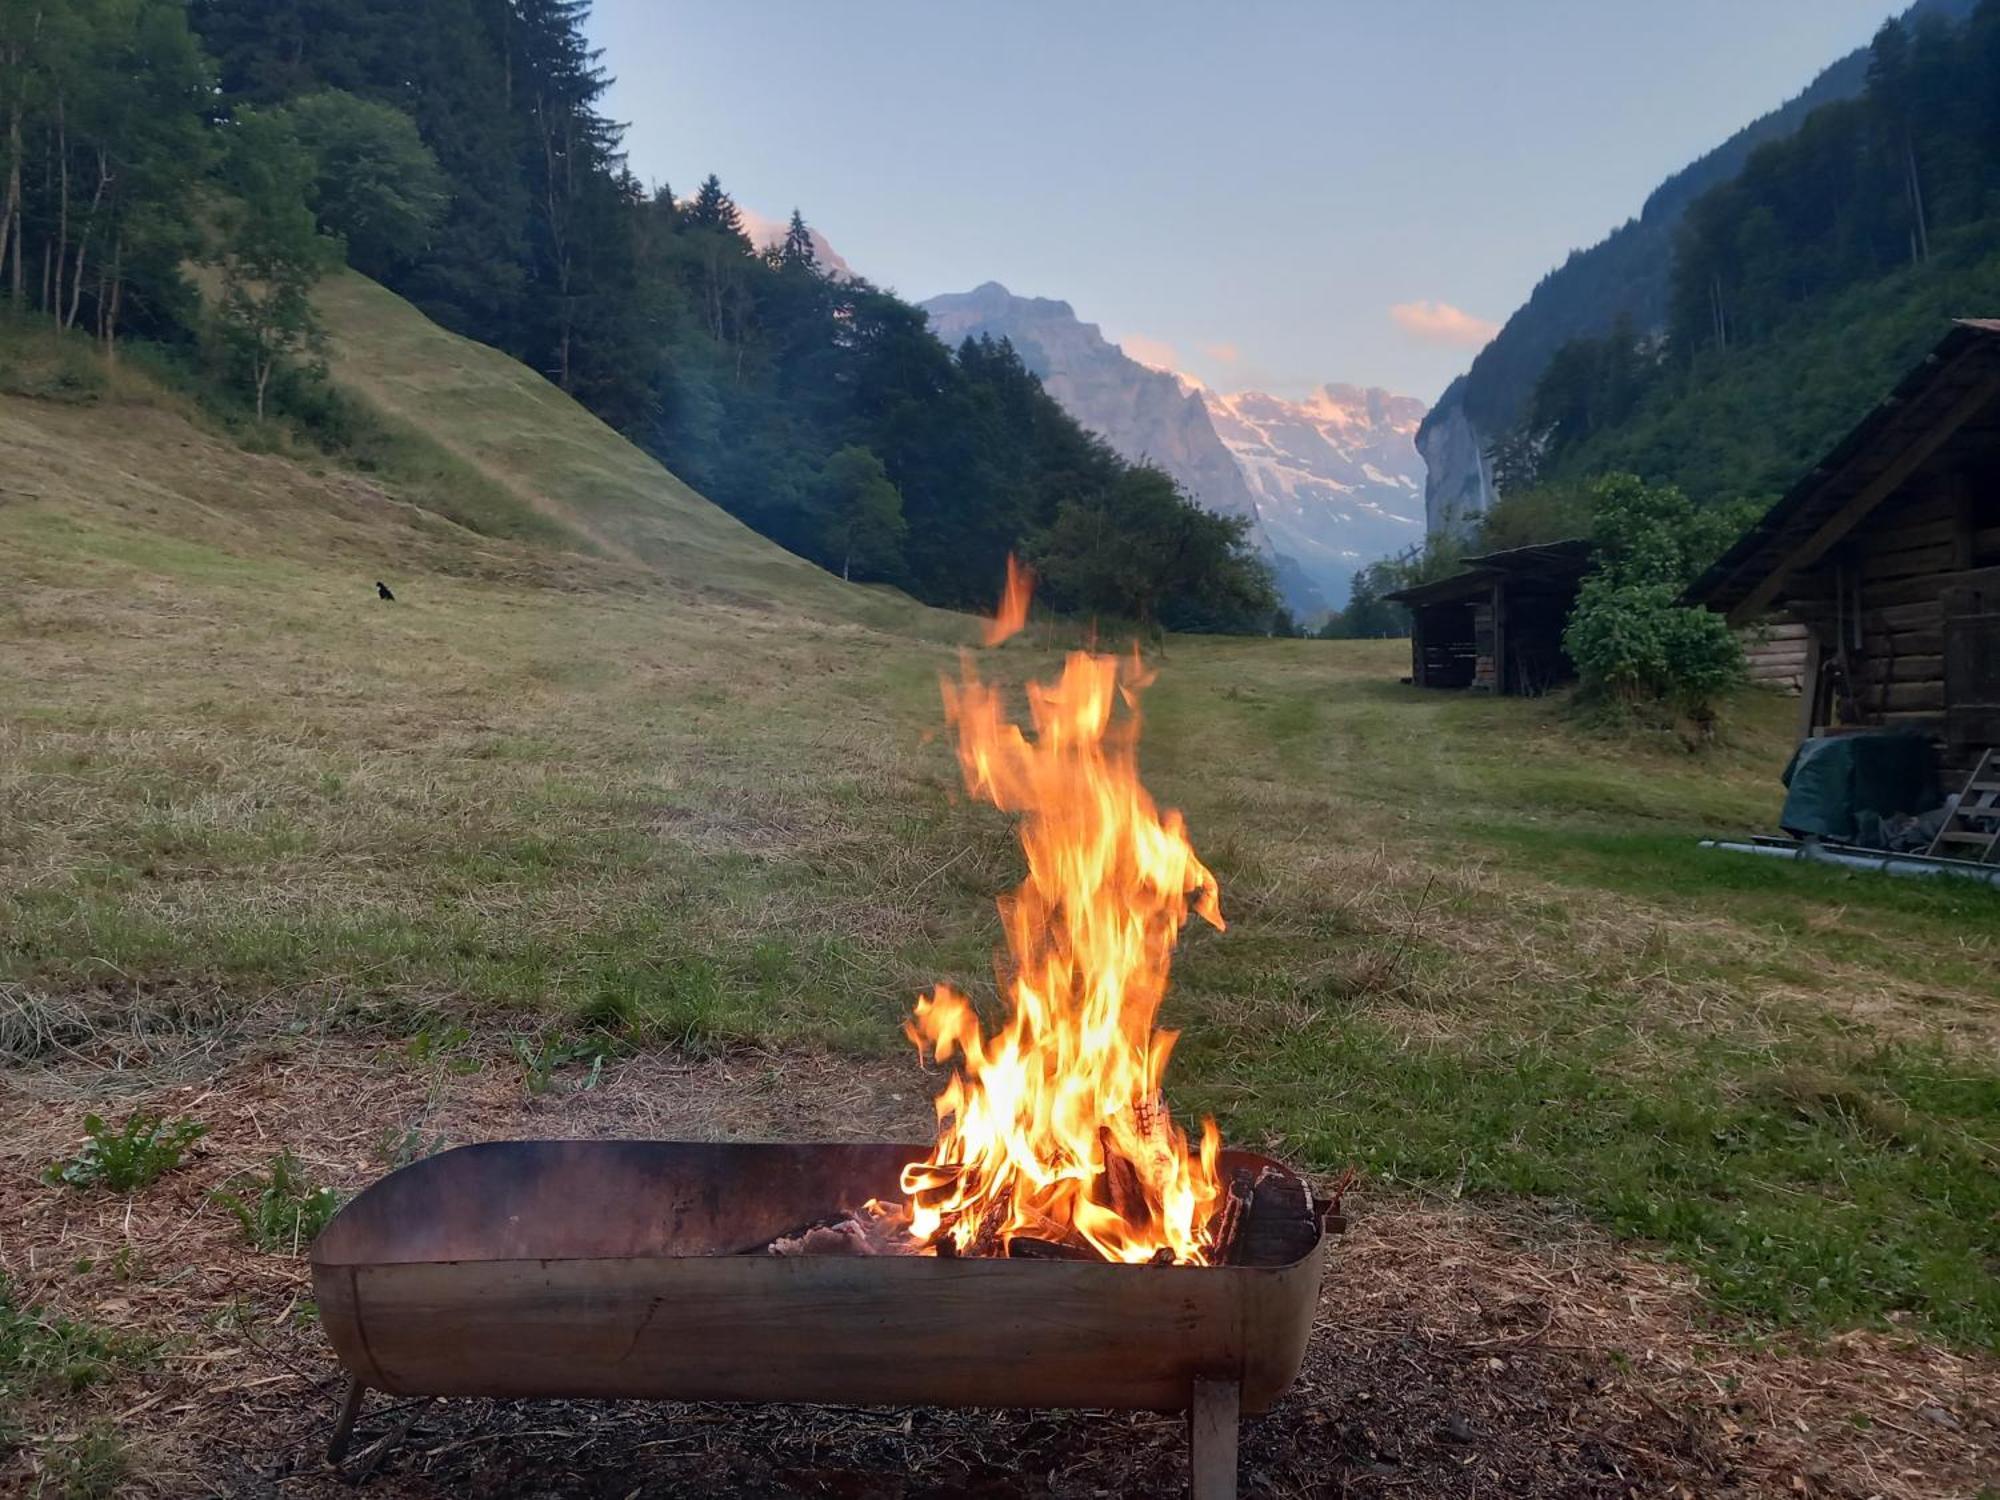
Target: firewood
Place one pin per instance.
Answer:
(1122, 1191)
(1225, 1240)
(1164, 1256)
(927, 1184)
(1280, 1226)
(986, 1237)
(1039, 1226)
(1028, 1247)
(947, 1247)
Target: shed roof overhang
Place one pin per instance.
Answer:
(1557, 564)
(1954, 395)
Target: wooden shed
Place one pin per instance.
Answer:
(1888, 553)
(1497, 626)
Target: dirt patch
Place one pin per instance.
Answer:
(1457, 1352)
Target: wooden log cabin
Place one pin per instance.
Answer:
(1774, 654)
(1497, 626)
(1888, 553)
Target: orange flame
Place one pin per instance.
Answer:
(1012, 616)
(1054, 1126)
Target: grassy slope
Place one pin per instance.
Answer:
(527, 436)
(672, 783)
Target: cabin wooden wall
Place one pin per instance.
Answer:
(1775, 653)
(1877, 601)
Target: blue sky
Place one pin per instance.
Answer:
(1264, 193)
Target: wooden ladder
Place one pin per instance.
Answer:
(1979, 803)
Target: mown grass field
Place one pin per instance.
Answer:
(579, 805)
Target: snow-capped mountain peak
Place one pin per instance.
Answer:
(1337, 476)
(1329, 483)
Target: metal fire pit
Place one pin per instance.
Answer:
(619, 1269)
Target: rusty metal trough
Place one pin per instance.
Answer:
(627, 1269)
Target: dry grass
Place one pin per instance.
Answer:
(1575, 1366)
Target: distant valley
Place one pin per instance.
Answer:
(1337, 478)
(1329, 483)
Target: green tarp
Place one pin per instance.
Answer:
(1844, 782)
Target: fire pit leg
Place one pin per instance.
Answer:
(1212, 1439)
(343, 1430)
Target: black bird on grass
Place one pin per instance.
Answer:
(382, 591)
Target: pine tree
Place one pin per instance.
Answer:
(1891, 91)
(570, 156)
(714, 209)
(796, 252)
(454, 85)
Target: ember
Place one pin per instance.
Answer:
(1054, 1138)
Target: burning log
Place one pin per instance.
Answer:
(1028, 1247)
(986, 1237)
(1042, 1238)
(1230, 1218)
(1123, 1191)
(1265, 1221)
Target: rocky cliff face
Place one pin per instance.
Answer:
(1337, 477)
(1328, 484)
(1146, 415)
(1458, 482)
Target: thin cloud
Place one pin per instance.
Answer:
(1160, 356)
(1227, 353)
(1441, 323)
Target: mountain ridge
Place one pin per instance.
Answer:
(1328, 484)
(1624, 274)
(1146, 414)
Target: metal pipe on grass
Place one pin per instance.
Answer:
(1886, 864)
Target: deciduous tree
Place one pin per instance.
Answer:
(376, 184)
(271, 251)
(863, 525)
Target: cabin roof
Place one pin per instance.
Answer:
(1556, 562)
(1948, 395)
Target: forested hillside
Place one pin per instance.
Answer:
(456, 151)
(1627, 277)
(1801, 289)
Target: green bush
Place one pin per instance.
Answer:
(38, 362)
(1634, 642)
(128, 1158)
(1629, 634)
